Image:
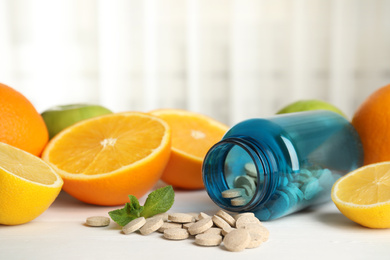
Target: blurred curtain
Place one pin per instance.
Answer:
(231, 60)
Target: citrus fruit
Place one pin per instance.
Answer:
(372, 121)
(21, 125)
(363, 195)
(310, 104)
(28, 186)
(104, 159)
(193, 135)
(59, 117)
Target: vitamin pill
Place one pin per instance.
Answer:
(256, 240)
(163, 216)
(310, 188)
(168, 225)
(237, 240)
(134, 225)
(97, 221)
(176, 233)
(233, 193)
(213, 230)
(226, 230)
(187, 225)
(250, 170)
(239, 201)
(220, 222)
(245, 220)
(203, 215)
(242, 181)
(200, 226)
(151, 225)
(251, 214)
(227, 217)
(180, 218)
(208, 239)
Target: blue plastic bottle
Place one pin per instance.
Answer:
(280, 165)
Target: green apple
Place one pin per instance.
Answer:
(307, 105)
(59, 117)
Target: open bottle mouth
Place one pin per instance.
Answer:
(236, 174)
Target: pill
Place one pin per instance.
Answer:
(241, 181)
(151, 225)
(246, 220)
(250, 169)
(208, 239)
(237, 240)
(200, 226)
(168, 225)
(256, 240)
(97, 221)
(325, 178)
(279, 203)
(220, 222)
(227, 230)
(213, 230)
(187, 225)
(263, 213)
(248, 191)
(176, 233)
(180, 218)
(134, 225)
(227, 217)
(163, 216)
(310, 188)
(293, 197)
(239, 201)
(243, 214)
(233, 193)
(203, 215)
(296, 190)
(305, 173)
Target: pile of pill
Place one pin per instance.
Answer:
(293, 190)
(235, 233)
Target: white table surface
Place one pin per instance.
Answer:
(60, 233)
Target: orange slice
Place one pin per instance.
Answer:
(104, 159)
(28, 186)
(193, 135)
(364, 195)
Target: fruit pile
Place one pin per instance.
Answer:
(101, 157)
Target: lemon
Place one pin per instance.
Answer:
(310, 104)
(28, 186)
(59, 117)
(363, 195)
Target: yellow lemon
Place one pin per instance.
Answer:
(28, 186)
(308, 105)
(363, 195)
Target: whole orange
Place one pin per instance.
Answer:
(20, 123)
(372, 122)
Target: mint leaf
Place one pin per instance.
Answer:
(159, 201)
(130, 211)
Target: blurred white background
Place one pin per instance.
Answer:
(229, 59)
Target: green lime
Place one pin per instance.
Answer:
(59, 117)
(311, 104)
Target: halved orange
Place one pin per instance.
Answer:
(28, 186)
(104, 159)
(363, 195)
(193, 134)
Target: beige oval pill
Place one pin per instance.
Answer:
(245, 220)
(256, 240)
(208, 239)
(227, 217)
(233, 193)
(168, 225)
(151, 225)
(200, 226)
(203, 215)
(97, 221)
(213, 230)
(219, 222)
(244, 214)
(180, 218)
(176, 233)
(226, 231)
(134, 225)
(237, 240)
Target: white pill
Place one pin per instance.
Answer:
(134, 225)
(243, 180)
(208, 239)
(227, 217)
(233, 193)
(97, 221)
(200, 226)
(180, 217)
(151, 225)
(176, 233)
(237, 240)
(250, 170)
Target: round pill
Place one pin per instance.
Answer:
(213, 230)
(279, 203)
(296, 190)
(151, 225)
(246, 220)
(187, 225)
(250, 169)
(208, 239)
(134, 225)
(256, 240)
(97, 221)
(168, 225)
(220, 222)
(263, 213)
(227, 217)
(325, 178)
(293, 197)
(244, 214)
(242, 180)
(180, 218)
(200, 226)
(176, 234)
(233, 193)
(226, 230)
(310, 188)
(239, 201)
(237, 240)
(203, 215)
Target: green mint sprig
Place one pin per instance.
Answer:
(158, 201)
